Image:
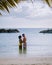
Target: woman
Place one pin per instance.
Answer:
(20, 42)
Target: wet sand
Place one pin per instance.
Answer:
(26, 61)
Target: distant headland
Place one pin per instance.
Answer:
(9, 30)
(46, 31)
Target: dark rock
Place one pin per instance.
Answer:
(46, 31)
(9, 30)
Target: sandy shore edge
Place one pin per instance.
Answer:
(26, 61)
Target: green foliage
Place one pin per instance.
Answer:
(6, 4)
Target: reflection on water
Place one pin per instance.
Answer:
(22, 50)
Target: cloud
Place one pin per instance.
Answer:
(29, 10)
(28, 15)
(39, 10)
(9, 22)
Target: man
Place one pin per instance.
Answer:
(24, 40)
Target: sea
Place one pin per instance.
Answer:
(38, 44)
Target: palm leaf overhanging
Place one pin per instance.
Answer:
(49, 2)
(6, 4)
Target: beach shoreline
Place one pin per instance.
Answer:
(26, 61)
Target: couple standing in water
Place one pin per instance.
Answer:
(22, 42)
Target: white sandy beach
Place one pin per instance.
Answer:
(26, 61)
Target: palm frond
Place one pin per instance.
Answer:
(17, 1)
(1, 7)
(0, 14)
(6, 4)
(11, 2)
(49, 2)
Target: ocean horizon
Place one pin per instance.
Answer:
(38, 44)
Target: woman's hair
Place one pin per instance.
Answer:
(19, 37)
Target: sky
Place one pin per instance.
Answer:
(28, 15)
